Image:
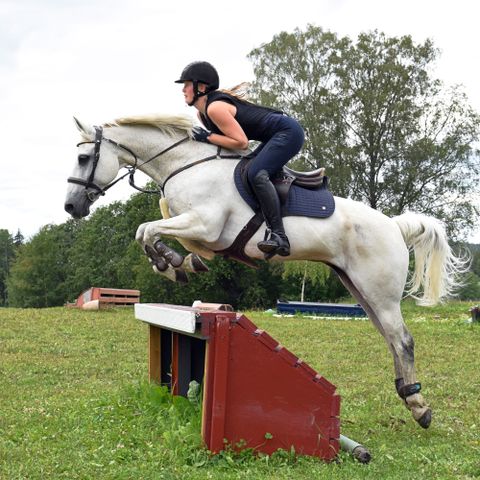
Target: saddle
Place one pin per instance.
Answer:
(287, 177)
(300, 193)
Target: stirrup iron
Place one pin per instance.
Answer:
(275, 245)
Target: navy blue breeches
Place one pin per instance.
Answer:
(286, 141)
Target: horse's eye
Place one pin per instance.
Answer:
(83, 158)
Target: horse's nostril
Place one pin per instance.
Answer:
(69, 208)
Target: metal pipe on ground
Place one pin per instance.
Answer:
(358, 451)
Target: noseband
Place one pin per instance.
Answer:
(97, 190)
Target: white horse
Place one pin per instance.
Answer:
(203, 210)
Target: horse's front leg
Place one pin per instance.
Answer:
(189, 225)
(161, 265)
(163, 258)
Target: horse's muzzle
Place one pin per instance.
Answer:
(78, 209)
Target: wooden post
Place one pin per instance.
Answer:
(218, 376)
(154, 354)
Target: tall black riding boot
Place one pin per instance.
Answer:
(267, 196)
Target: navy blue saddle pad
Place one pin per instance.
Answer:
(303, 202)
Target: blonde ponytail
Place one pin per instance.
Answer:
(239, 91)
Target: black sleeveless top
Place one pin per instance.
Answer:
(250, 117)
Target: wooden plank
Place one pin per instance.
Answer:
(175, 319)
(207, 401)
(118, 300)
(154, 354)
(219, 387)
(175, 348)
(118, 291)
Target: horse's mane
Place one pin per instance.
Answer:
(167, 123)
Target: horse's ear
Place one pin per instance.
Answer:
(84, 129)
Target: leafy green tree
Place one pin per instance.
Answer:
(471, 287)
(238, 285)
(475, 255)
(296, 73)
(18, 239)
(311, 281)
(38, 275)
(314, 272)
(96, 258)
(7, 252)
(389, 133)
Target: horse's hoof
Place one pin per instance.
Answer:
(197, 264)
(161, 264)
(156, 262)
(425, 420)
(181, 276)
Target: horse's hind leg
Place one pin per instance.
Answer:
(406, 385)
(401, 345)
(387, 318)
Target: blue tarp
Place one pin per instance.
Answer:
(330, 309)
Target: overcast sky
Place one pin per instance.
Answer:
(100, 59)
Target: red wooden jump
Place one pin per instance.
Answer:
(255, 391)
(108, 296)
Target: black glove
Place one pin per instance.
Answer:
(200, 134)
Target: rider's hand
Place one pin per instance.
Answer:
(200, 134)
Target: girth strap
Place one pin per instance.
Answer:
(237, 249)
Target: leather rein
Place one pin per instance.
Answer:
(132, 169)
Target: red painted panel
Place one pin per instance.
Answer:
(220, 383)
(109, 295)
(244, 322)
(270, 393)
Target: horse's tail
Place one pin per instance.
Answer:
(436, 267)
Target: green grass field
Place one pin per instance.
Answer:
(75, 402)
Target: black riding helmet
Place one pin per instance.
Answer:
(200, 72)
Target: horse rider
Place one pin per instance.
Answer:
(231, 122)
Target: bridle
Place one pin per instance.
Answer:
(90, 184)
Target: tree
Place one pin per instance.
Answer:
(315, 273)
(38, 275)
(389, 133)
(7, 252)
(18, 239)
(311, 281)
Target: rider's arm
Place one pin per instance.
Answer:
(223, 115)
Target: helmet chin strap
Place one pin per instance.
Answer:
(196, 94)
